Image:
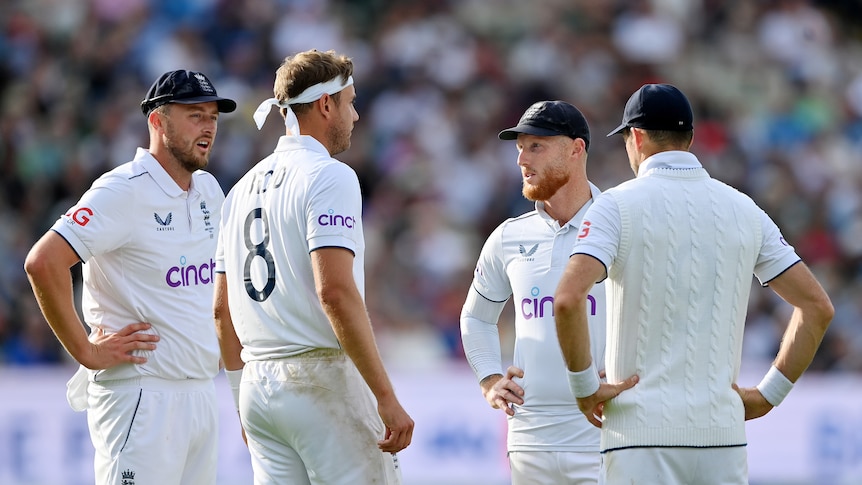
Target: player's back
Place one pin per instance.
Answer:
(295, 201)
(679, 287)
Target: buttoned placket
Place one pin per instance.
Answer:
(186, 196)
(560, 254)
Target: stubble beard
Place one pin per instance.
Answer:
(187, 158)
(338, 139)
(554, 179)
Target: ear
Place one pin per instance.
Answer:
(579, 146)
(154, 119)
(639, 137)
(325, 105)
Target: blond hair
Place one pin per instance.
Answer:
(305, 69)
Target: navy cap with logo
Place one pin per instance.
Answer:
(657, 107)
(184, 87)
(551, 118)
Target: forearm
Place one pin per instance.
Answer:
(800, 342)
(229, 343)
(345, 309)
(52, 287)
(812, 313)
(570, 310)
(481, 342)
(573, 334)
(352, 327)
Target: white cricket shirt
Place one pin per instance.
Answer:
(295, 201)
(148, 250)
(524, 258)
(680, 249)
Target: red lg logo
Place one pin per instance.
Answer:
(585, 230)
(80, 216)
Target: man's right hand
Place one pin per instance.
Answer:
(399, 426)
(109, 350)
(593, 406)
(502, 392)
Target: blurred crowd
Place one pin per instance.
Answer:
(776, 86)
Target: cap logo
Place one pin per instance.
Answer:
(204, 84)
(531, 111)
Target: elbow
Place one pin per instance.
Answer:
(332, 296)
(34, 264)
(219, 314)
(221, 307)
(565, 303)
(817, 313)
(464, 323)
(570, 303)
(825, 311)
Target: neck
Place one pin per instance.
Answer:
(172, 166)
(563, 205)
(315, 128)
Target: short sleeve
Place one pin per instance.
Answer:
(776, 255)
(489, 277)
(98, 223)
(335, 209)
(599, 234)
(225, 211)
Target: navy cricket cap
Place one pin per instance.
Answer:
(657, 107)
(184, 87)
(551, 118)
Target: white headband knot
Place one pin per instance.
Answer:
(312, 93)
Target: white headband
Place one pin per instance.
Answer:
(312, 93)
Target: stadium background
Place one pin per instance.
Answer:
(776, 86)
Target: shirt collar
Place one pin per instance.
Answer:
(675, 159)
(307, 142)
(158, 173)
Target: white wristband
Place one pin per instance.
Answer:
(234, 377)
(774, 386)
(584, 383)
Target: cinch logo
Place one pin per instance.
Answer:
(190, 275)
(80, 216)
(541, 306)
(333, 219)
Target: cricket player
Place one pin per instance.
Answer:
(315, 401)
(549, 441)
(679, 249)
(146, 233)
